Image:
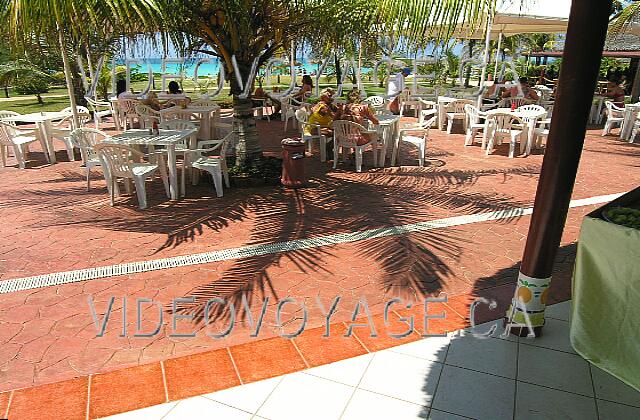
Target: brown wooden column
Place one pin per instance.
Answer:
(583, 47)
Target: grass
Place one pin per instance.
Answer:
(56, 99)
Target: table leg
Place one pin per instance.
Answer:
(46, 130)
(383, 149)
(173, 172)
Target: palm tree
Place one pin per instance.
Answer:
(250, 33)
(63, 22)
(243, 34)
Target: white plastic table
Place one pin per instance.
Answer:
(630, 114)
(167, 138)
(42, 120)
(208, 116)
(443, 101)
(529, 118)
(388, 125)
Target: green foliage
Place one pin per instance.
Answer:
(32, 85)
(610, 65)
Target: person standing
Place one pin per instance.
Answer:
(395, 88)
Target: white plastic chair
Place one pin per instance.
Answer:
(23, 132)
(517, 101)
(100, 110)
(303, 117)
(215, 165)
(287, 110)
(62, 129)
(455, 111)
(376, 102)
(615, 115)
(406, 102)
(124, 162)
(502, 125)
(476, 123)
(531, 115)
(147, 115)
(532, 108)
(127, 113)
(12, 138)
(345, 134)
(86, 139)
(407, 135)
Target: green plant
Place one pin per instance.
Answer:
(35, 85)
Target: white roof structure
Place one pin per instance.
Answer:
(524, 16)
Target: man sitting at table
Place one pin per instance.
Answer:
(395, 88)
(358, 113)
(527, 92)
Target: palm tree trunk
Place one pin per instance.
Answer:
(244, 124)
(68, 78)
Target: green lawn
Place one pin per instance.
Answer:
(56, 98)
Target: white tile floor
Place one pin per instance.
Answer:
(454, 377)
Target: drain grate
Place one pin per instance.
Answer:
(57, 279)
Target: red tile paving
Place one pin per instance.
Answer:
(61, 400)
(199, 374)
(126, 390)
(51, 223)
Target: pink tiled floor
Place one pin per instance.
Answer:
(51, 223)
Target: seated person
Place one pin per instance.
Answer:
(527, 91)
(305, 91)
(174, 88)
(614, 92)
(152, 101)
(322, 113)
(121, 90)
(358, 113)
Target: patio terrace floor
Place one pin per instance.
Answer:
(51, 224)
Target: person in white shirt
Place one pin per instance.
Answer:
(395, 88)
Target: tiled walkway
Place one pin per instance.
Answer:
(458, 376)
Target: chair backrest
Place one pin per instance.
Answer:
(147, 115)
(375, 101)
(473, 113)
(302, 115)
(532, 108)
(508, 102)
(346, 133)
(612, 110)
(128, 106)
(86, 139)
(457, 106)
(6, 133)
(178, 113)
(181, 125)
(224, 146)
(83, 116)
(503, 121)
(6, 114)
(120, 159)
